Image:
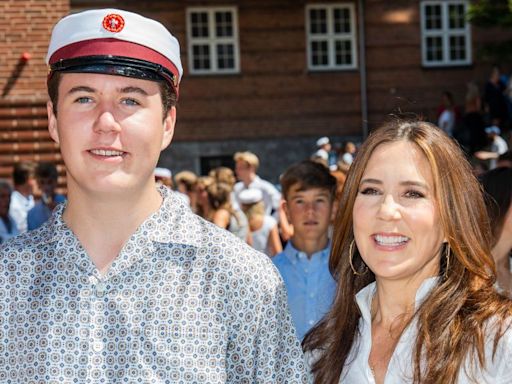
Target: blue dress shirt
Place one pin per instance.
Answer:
(309, 285)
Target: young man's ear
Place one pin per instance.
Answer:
(169, 123)
(284, 205)
(334, 209)
(52, 122)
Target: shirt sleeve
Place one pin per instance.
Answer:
(264, 347)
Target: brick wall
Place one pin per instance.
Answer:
(25, 27)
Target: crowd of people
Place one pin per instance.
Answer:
(387, 263)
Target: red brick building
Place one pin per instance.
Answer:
(272, 76)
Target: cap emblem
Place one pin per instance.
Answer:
(113, 22)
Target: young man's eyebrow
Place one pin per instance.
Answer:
(81, 88)
(132, 89)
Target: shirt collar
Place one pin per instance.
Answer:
(365, 296)
(295, 256)
(172, 212)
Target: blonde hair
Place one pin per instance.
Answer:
(248, 157)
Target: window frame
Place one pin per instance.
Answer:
(445, 33)
(332, 37)
(212, 40)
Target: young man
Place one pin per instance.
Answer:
(308, 190)
(246, 166)
(22, 198)
(124, 282)
(47, 177)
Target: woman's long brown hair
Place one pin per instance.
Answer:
(452, 321)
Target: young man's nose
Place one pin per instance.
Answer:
(106, 121)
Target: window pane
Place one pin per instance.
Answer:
(319, 52)
(225, 56)
(434, 49)
(341, 20)
(318, 21)
(201, 54)
(456, 16)
(457, 47)
(224, 24)
(433, 17)
(343, 52)
(199, 22)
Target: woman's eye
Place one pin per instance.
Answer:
(414, 194)
(369, 191)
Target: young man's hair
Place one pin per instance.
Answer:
(46, 170)
(22, 172)
(307, 175)
(168, 95)
(248, 157)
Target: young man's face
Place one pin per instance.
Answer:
(47, 185)
(110, 130)
(243, 170)
(309, 211)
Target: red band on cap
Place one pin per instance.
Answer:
(114, 47)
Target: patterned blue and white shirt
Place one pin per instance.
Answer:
(184, 302)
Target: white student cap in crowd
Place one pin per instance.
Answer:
(162, 172)
(493, 129)
(250, 196)
(322, 141)
(115, 42)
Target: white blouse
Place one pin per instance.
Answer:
(400, 368)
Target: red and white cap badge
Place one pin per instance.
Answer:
(113, 22)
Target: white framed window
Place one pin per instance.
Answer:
(331, 37)
(445, 33)
(213, 40)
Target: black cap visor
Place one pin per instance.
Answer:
(115, 65)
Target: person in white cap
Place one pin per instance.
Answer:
(124, 283)
(324, 146)
(263, 227)
(497, 147)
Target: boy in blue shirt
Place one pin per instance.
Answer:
(308, 190)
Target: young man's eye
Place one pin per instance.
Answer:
(83, 100)
(414, 194)
(130, 101)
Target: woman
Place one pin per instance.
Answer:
(223, 214)
(498, 186)
(416, 301)
(264, 232)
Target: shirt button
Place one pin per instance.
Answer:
(311, 295)
(97, 346)
(100, 289)
(311, 322)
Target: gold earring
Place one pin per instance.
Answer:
(351, 255)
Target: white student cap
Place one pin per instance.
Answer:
(162, 172)
(250, 196)
(493, 129)
(115, 42)
(322, 141)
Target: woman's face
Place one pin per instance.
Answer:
(395, 217)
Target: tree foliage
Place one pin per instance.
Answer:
(493, 13)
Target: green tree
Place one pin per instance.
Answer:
(493, 13)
